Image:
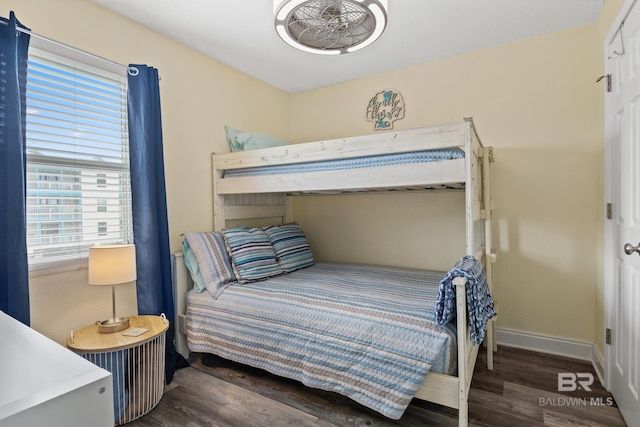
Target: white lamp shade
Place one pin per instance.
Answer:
(112, 265)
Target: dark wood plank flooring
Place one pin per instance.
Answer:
(522, 390)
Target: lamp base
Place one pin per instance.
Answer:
(110, 326)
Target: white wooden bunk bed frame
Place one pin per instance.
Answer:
(240, 198)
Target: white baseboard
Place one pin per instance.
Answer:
(545, 344)
(567, 347)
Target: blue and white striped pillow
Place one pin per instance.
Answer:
(291, 246)
(252, 254)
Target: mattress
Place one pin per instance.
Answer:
(367, 332)
(352, 163)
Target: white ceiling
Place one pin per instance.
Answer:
(240, 33)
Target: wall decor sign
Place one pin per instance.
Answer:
(384, 108)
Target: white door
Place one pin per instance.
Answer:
(622, 190)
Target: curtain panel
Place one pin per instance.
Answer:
(148, 196)
(14, 268)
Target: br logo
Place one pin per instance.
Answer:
(568, 381)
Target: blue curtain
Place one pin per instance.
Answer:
(14, 268)
(148, 194)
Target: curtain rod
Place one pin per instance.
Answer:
(124, 68)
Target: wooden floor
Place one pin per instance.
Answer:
(522, 390)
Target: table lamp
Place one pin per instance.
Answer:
(110, 266)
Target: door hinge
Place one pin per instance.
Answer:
(607, 83)
(607, 336)
(609, 211)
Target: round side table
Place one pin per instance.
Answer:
(135, 358)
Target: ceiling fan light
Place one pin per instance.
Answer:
(330, 27)
(282, 32)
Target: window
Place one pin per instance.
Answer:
(102, 228)
(78, 187)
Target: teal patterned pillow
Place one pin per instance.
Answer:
(245, 141)
(291, 246)
(208, 262)
(252, 254)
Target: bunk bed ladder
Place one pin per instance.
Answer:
(479, 215)
(490, 254)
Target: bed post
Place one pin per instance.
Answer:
(181, 284)
(469, 188)
(218, 199)
(464, 342)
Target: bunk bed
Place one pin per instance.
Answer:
(259, 184)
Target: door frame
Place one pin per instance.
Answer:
(609, 229)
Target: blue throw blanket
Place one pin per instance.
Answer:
(480, 308)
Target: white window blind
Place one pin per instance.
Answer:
(78, 186)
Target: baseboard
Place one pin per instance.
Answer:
(575, 349)
(545, 344)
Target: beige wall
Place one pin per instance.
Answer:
(537, 103)
(387, 229)
(199, 96)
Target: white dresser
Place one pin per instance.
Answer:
(44, 384)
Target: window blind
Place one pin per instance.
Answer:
(78, 185)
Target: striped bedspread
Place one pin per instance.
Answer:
(353, 163)
(367, 332)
